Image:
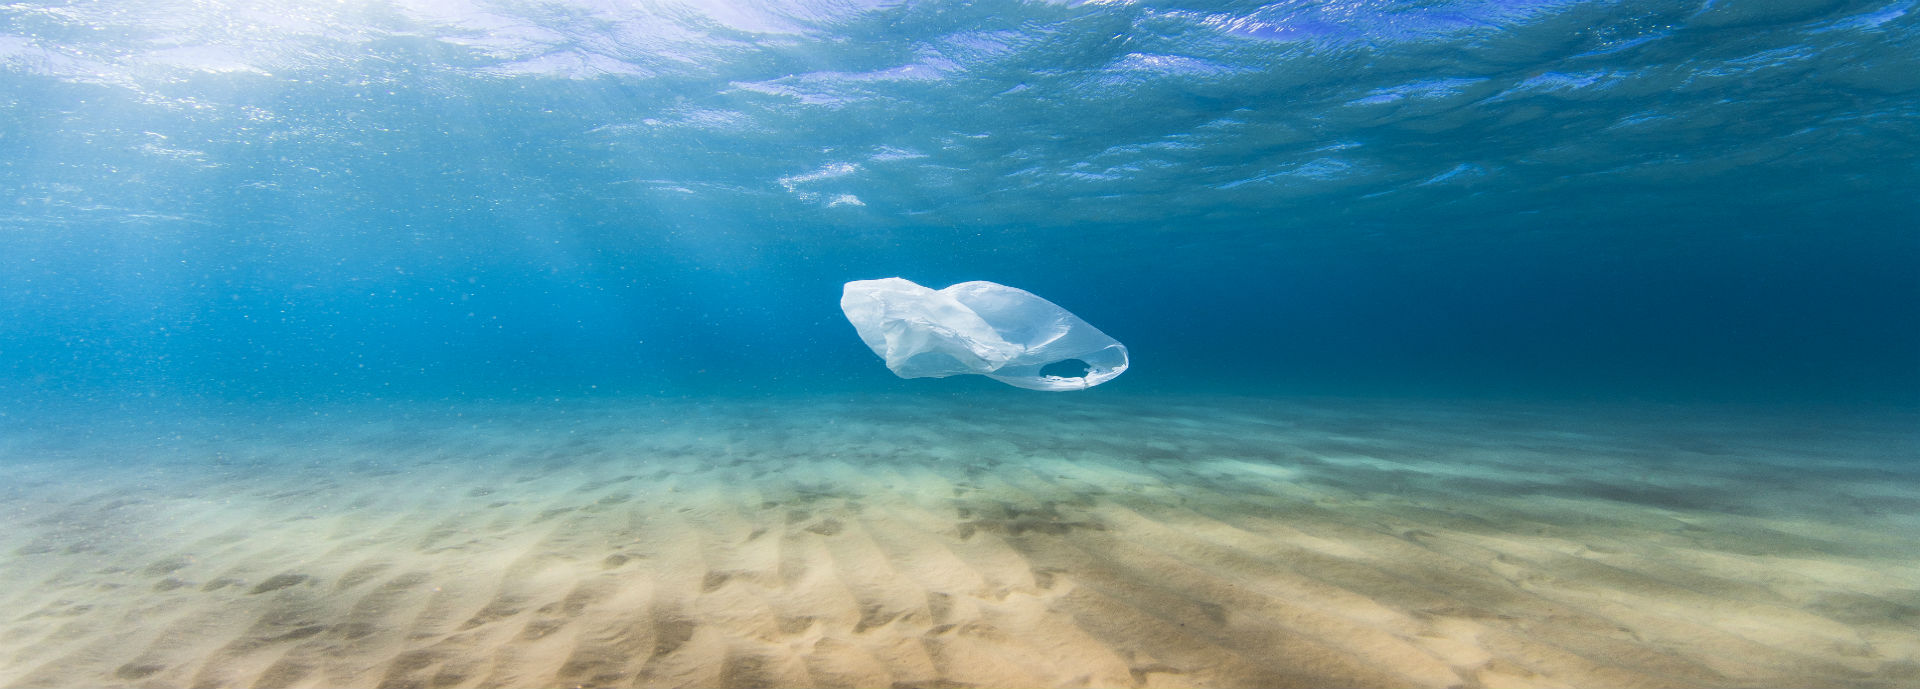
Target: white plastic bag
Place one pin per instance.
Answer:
(1000, 332)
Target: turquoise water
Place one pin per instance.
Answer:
(1558, 199)
(1614, 307)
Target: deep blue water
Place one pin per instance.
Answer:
(499, 343)
(1587, 200)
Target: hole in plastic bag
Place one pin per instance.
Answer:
(1067, 368)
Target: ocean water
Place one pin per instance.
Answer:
(475, 343)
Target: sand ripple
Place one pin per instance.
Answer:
(907, 544)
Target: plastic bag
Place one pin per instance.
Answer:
(997, 331)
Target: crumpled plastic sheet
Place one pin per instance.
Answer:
(1004, 333)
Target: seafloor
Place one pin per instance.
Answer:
(1018, 541)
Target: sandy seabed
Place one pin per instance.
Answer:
(912, 542)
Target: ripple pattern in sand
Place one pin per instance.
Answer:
(842, 544)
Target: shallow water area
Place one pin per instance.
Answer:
(928, 541)
(1467, 343)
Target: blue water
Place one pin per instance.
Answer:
(1670, 200)
(466, 343)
